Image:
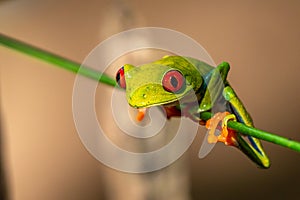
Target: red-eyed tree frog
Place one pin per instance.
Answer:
(171, 81)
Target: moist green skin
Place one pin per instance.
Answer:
(144, 83)
(206, 83)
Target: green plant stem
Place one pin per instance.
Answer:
(96, 75)
(259, 134)
(56, 60)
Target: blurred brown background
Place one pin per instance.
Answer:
(43, 156)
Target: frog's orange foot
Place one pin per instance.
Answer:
(141, 114)
(227, 136)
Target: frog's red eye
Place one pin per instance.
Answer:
(173, 81)
(120, 78)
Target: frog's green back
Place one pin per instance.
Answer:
(186, 63)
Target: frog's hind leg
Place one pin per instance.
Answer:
(249, 145)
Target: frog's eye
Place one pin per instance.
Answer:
(173, 81)
(120, 78)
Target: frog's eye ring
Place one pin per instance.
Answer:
(173, 81)
(120, 78)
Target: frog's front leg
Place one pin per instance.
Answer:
(215, 86)
(212, 91)
(216, 83)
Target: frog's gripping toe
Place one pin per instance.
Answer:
(227, 136)
(252, 148)
(141, 114)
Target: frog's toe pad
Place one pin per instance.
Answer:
(227, 136)
(141, 114)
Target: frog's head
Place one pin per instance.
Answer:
(162, 82)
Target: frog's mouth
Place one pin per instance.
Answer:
(149, 100)
(145, 100)
(170, 108)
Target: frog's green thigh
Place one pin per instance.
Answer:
(249, 145)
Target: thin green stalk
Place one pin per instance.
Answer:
(259, 134)
(93, 74)
(55, 59)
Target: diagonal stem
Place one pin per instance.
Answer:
(55, 59)
(259, 134)
(101, 77)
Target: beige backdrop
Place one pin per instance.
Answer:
(43, 156)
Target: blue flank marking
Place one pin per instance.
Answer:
(254, 144)
(251, 140)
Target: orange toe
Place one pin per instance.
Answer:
(141, 114)
(227, 136)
